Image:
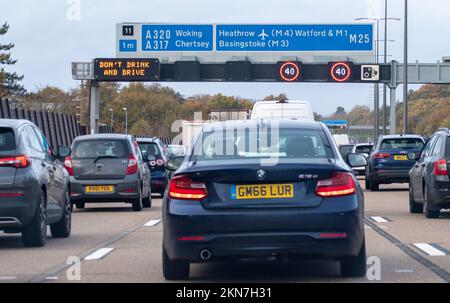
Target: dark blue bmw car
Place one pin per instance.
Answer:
(263, 189)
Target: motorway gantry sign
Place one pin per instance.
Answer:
(126, 70)
(258, 43)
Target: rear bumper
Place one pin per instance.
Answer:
(324, 232)
(441, 194)
(158, 181)
(16, 212)
(388, 175)
(124, 190)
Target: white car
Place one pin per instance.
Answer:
(282, 110)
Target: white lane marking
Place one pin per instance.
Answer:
(428, 249)
(404, 271)
(8, 278)
(152, 223)
(98, 254)
(379, 219)
(51, 278)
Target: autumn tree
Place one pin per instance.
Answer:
(9, 81)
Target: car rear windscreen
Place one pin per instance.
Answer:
(363, 149)
(92, 149)
(7, 139)
(150, 149)
(235, 144)
(402, 144)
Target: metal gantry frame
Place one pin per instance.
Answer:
(392, 75)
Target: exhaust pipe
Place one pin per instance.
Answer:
(205, 255)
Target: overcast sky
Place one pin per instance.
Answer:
(47, 40)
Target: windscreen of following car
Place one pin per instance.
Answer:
(257, 143)
(402, 144)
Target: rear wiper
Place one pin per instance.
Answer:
(104, 157)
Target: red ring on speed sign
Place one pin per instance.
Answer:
(346, 66)
(293, 77)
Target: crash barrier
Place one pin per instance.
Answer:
(59, 129)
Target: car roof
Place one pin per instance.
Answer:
(294, 124)
(103, 136)
(402, 136)
(363, 144)
(13, 123)
(149, 140)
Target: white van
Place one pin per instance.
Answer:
(282, 110)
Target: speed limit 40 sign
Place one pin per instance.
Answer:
(341, 71)
(290, 71)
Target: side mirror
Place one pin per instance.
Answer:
(356, 160)
(174, 163)
(63, 152)
(414, 156)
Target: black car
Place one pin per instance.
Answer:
(34, 186)
(389, 161)
(156, 158)
(240, 195)
(108, 168)
(430, 184)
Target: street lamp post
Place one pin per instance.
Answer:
(112, 118)
(126, 120)
(405, 72)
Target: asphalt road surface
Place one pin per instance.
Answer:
(115, 244)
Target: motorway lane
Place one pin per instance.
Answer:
(391, 203)
(136, 254)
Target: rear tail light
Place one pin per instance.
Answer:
(132, 165)
(440, 168)
(380, 155)
(160, 162)
(340, 184)
(152, 163)
(17, 161)
(183, 187)
(68, 165)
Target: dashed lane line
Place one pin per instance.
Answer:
(99, 254)
(56, 271)
(429, 249)
(152, 223)
(379, 219)
(442, 273)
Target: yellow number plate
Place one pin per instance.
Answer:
(401, 157)
(262, 191)
(100, 189)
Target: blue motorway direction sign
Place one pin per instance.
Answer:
(335, 122)
(346, 37)
(170, 37)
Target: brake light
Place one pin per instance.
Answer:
(68, 165)
(17, 161)
(380, 155)
(183, 187)
(132, 165)
(440, 168)
(340, 184)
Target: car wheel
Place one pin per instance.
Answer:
(35, 233)
(374, 186)
(367, 181)
(354, 266)
(137, 203)
(414, 207)
(63, 227)
(430, 211)
(80, 205)
(175, 269)
(147, 202)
